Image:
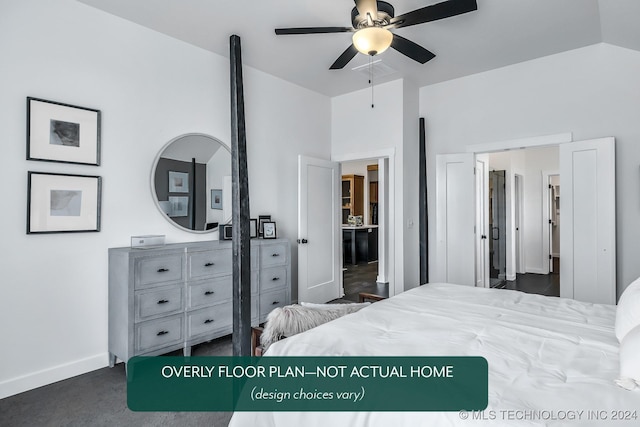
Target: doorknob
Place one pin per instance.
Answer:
(303, 241)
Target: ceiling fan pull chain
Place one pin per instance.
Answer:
(371, 77)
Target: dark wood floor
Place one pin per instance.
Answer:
(542, 284)
(362, 278)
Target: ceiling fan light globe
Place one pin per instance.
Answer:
(372, 40)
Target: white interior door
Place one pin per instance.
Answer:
(319, 240)
(482, 220)
(587, 210)
(455, 219)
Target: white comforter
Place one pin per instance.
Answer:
(552, 361)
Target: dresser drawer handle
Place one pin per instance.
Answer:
(209, 264)
(162, 333)
(209, 293)
(163, 270)
(275, 279)
(163, 301)
(276, 254)
(275, 302)
(208, 321)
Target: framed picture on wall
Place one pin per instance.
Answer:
(58, 132)
(61, 203)
(179, 206)
(216, 199)
(178, 182)
(269, 230)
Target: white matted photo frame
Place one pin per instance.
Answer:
(62, 203)
(64, 133)
(269, 230)
(261, 220)
(179, 206)
(216, 199)
(178, 182)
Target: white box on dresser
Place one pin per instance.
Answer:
(180, 295)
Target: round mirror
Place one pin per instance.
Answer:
(191, 182)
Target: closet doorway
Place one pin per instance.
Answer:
(498, 227)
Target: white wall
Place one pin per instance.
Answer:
(411, 184)
(150, 88)
(592, 92)
(537, 162)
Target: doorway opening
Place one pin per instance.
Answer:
(363, 227)
(554, 224)
(498, 227)
(522, 220)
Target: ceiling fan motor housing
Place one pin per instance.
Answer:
(385, 13)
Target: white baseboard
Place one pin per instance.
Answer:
(511, 277)
(537, 271)
(382, 280)
(52, 375)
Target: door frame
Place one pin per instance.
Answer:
(516, 144)
(481, 172)
(386, 213)
(546, 217)
(518, 185)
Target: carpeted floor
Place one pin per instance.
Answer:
(99, 398)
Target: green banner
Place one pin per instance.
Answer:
(307, 383)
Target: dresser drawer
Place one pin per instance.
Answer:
(271, 300)
(273, 278)
(155, 302)
(159, 270)
(209, 319)
(155, 334)
(209, 263)
(273, 254)
(214, 291)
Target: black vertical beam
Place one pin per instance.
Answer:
(424, 231)
(192, 187)
(241, 340)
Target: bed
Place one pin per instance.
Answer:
(552, 361)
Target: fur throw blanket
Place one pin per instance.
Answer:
(293, 319)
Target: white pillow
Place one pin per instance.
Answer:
(630, 360)
(628, 311)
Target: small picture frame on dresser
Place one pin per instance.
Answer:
(261, 220)
(269, 230)
(253, 228)
(226, 232)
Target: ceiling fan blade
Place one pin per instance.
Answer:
(411, 49)
(434, 12)
(367, 6)
(313, 30)
(344, 59)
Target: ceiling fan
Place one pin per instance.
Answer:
(372, 21)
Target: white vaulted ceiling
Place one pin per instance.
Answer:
(499, 33)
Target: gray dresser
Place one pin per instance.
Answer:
(180, 295)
